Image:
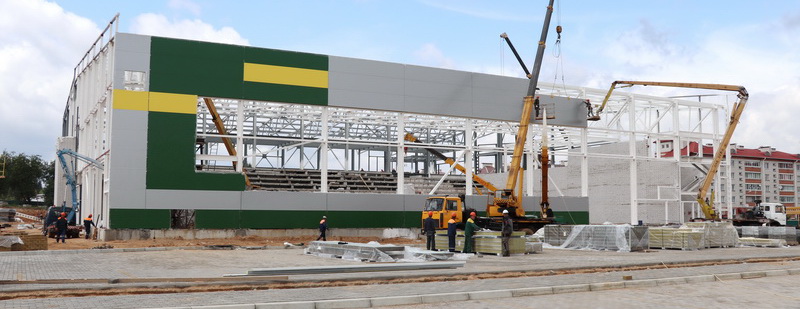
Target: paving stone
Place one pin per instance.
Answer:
(640, 283)
(447, 297)
(532, 291)
(490, 294)
(606, 286)
(671, 281)
(572, 288)
(753, 274)
(703, 278)
(396, 300)
(729, 276)
(343, 303)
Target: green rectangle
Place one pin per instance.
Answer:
(139, 218)
(285, 93)
(171, 157)
(281, 219)
(285, 58)
(197, 68)
(217, 219)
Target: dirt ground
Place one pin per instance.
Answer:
(246, 241)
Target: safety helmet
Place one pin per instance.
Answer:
(430, 214)
(90, 215)
(454, 215)
(63, 214)
(472, 214)
(505, 211)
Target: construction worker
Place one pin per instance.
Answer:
(469, 230)
(589, 113)
(536, 107)
(451, 233)
(87, 225)
(505, 232)
(429, 229)
(323, 227)
(61, 228)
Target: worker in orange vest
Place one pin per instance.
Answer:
(87, 225)
(61, 228)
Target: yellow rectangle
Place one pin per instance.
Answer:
(131, 100)
(264, 73)
(173, 103)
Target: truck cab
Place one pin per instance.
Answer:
(770, 214)
(773, 211)
(443, 208)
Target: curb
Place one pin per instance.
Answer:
(481, 295)
(118, 250)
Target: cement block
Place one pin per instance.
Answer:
(733, 276)
(396, 300)
(343, 303)
(703, 278)
(606, 286)
(753, 274)
(237, 306)
(443, 298)
(571, 288)
(532, 291)
(794, 271)
(641, 283)
(287, 305)
(671, 281)
(490, 294)
(775, 273)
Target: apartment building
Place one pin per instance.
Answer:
(763, 173)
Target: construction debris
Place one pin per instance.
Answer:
(487, 242)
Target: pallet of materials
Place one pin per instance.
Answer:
(715, 234)
(487, 242)
(623, 238)
(787, 233)
(761, 242)
(674, 238)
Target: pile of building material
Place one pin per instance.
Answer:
(623, 238)
(676, 238)
(715, 234)
(487, 242)
(761, 242)
(372, 252)
(10, 243)
(7, 214)
(787, 233)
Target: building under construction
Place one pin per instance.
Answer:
(199, 135)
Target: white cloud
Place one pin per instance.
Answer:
(480, 9)
(159, 25)
(40, 46)
(431, 55)
(188, 5)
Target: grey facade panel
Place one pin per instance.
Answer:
(193, 199)
(414, 202)
(127, 189)
(571, 112)
(497, 97)
(132, 54)
(438, 91)
(364, 202)
(365, 100)
(268, 200)
(365, 67)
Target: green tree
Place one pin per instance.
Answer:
(24, 176)
(49, 183)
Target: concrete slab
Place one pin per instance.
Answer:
(490, 294)
(445, 297)
(775, 273)
(396, 301)
(572, 288)
(343, 303)
(606, 286)
(703, 278)
(753, 274)
(794, 271)
(641, 283)
(532, 291)
(287, 305)
(730, 276)
(671, 281)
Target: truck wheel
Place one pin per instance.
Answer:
(527, 231)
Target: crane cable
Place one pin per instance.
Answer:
(557, 51)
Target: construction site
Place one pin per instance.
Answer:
(210, 170)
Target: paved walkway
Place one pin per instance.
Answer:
(216, 263)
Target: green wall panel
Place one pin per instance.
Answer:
(171, 157)
(217, 219)
(140, 218)
(285, 58)
(285, 93)
(281, 219)
(197, 68)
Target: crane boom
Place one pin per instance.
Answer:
(707, 206)
(488, 185)
(70, 173)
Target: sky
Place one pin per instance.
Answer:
(751, 43)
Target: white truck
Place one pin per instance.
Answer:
(770, 214)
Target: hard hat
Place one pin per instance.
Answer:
(454, 215)
(430, 214)
(505, 211)
(472, 214)
(63, 214)
(90, 215)
(324, 217)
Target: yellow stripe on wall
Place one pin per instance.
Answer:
(131, 100)
(173, 103)
(271, 74)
